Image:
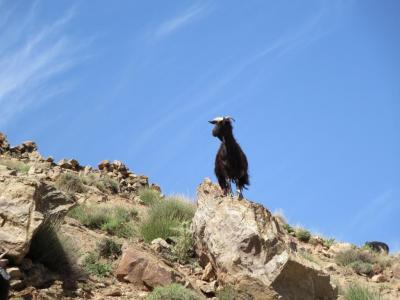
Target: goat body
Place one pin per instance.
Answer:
(230, 163)
(378, 246)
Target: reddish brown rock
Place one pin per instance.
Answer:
(75, 164)
(70, 164)
(143, 269)
(65, 164)
(104, 165)
(29, 146)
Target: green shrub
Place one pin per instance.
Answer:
(328, 242)
(89, 179)
(19, 166)
(115, 220)
(309, 257)
(119, 228)
(289, 229)
(361, 267)
(164, 217)
(54, 250)
(174, 208)
(357, 292)
(105, 184)
(93, 266)
(149, 196)
(183, 248)
(90, 216)
(346, 257)
(303, 235)
(227, 293)
(173, 291)
(349, 256)
(360, 260)
(108, 248)
(70, 183)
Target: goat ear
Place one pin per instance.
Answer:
(212, 122)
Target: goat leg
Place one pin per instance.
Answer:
(239, 189)
(228, 191)
(240, 194)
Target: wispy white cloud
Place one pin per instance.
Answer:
(179, 21)
(31, 56)
(373, 211)
(312, 29)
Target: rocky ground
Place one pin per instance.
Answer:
(236, 243)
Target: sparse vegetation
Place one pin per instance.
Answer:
(289, 229)
(164, 217)
(105, 184)
(149, 196)
(108, 184)
(227, 293)
(362, 260)
(173, 291)
(183, 248)
(108, 248)
(70, 183)
(361, 267)
(19, 166)
(358, 292)
(309, 257)
(328, 242)
(346, 257)
(54, 250)
(94, 266)
(115, 220)
(303, 234)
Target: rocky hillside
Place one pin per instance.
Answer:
(75, 232)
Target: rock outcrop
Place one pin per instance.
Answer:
(4, 145)
(246, 247)
(25, 204)
(128, 181)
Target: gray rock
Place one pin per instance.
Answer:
(25, 204)
(246, 247)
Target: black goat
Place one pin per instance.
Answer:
(378, 247)
(230, 163)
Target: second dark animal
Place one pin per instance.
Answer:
(378, 246)
(230, 163)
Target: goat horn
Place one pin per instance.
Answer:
(230, 118)
(216, 120)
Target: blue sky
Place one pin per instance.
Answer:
(313, 86)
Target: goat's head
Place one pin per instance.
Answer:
(223, 127)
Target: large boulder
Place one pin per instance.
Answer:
(26, 204)
(246, 247)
